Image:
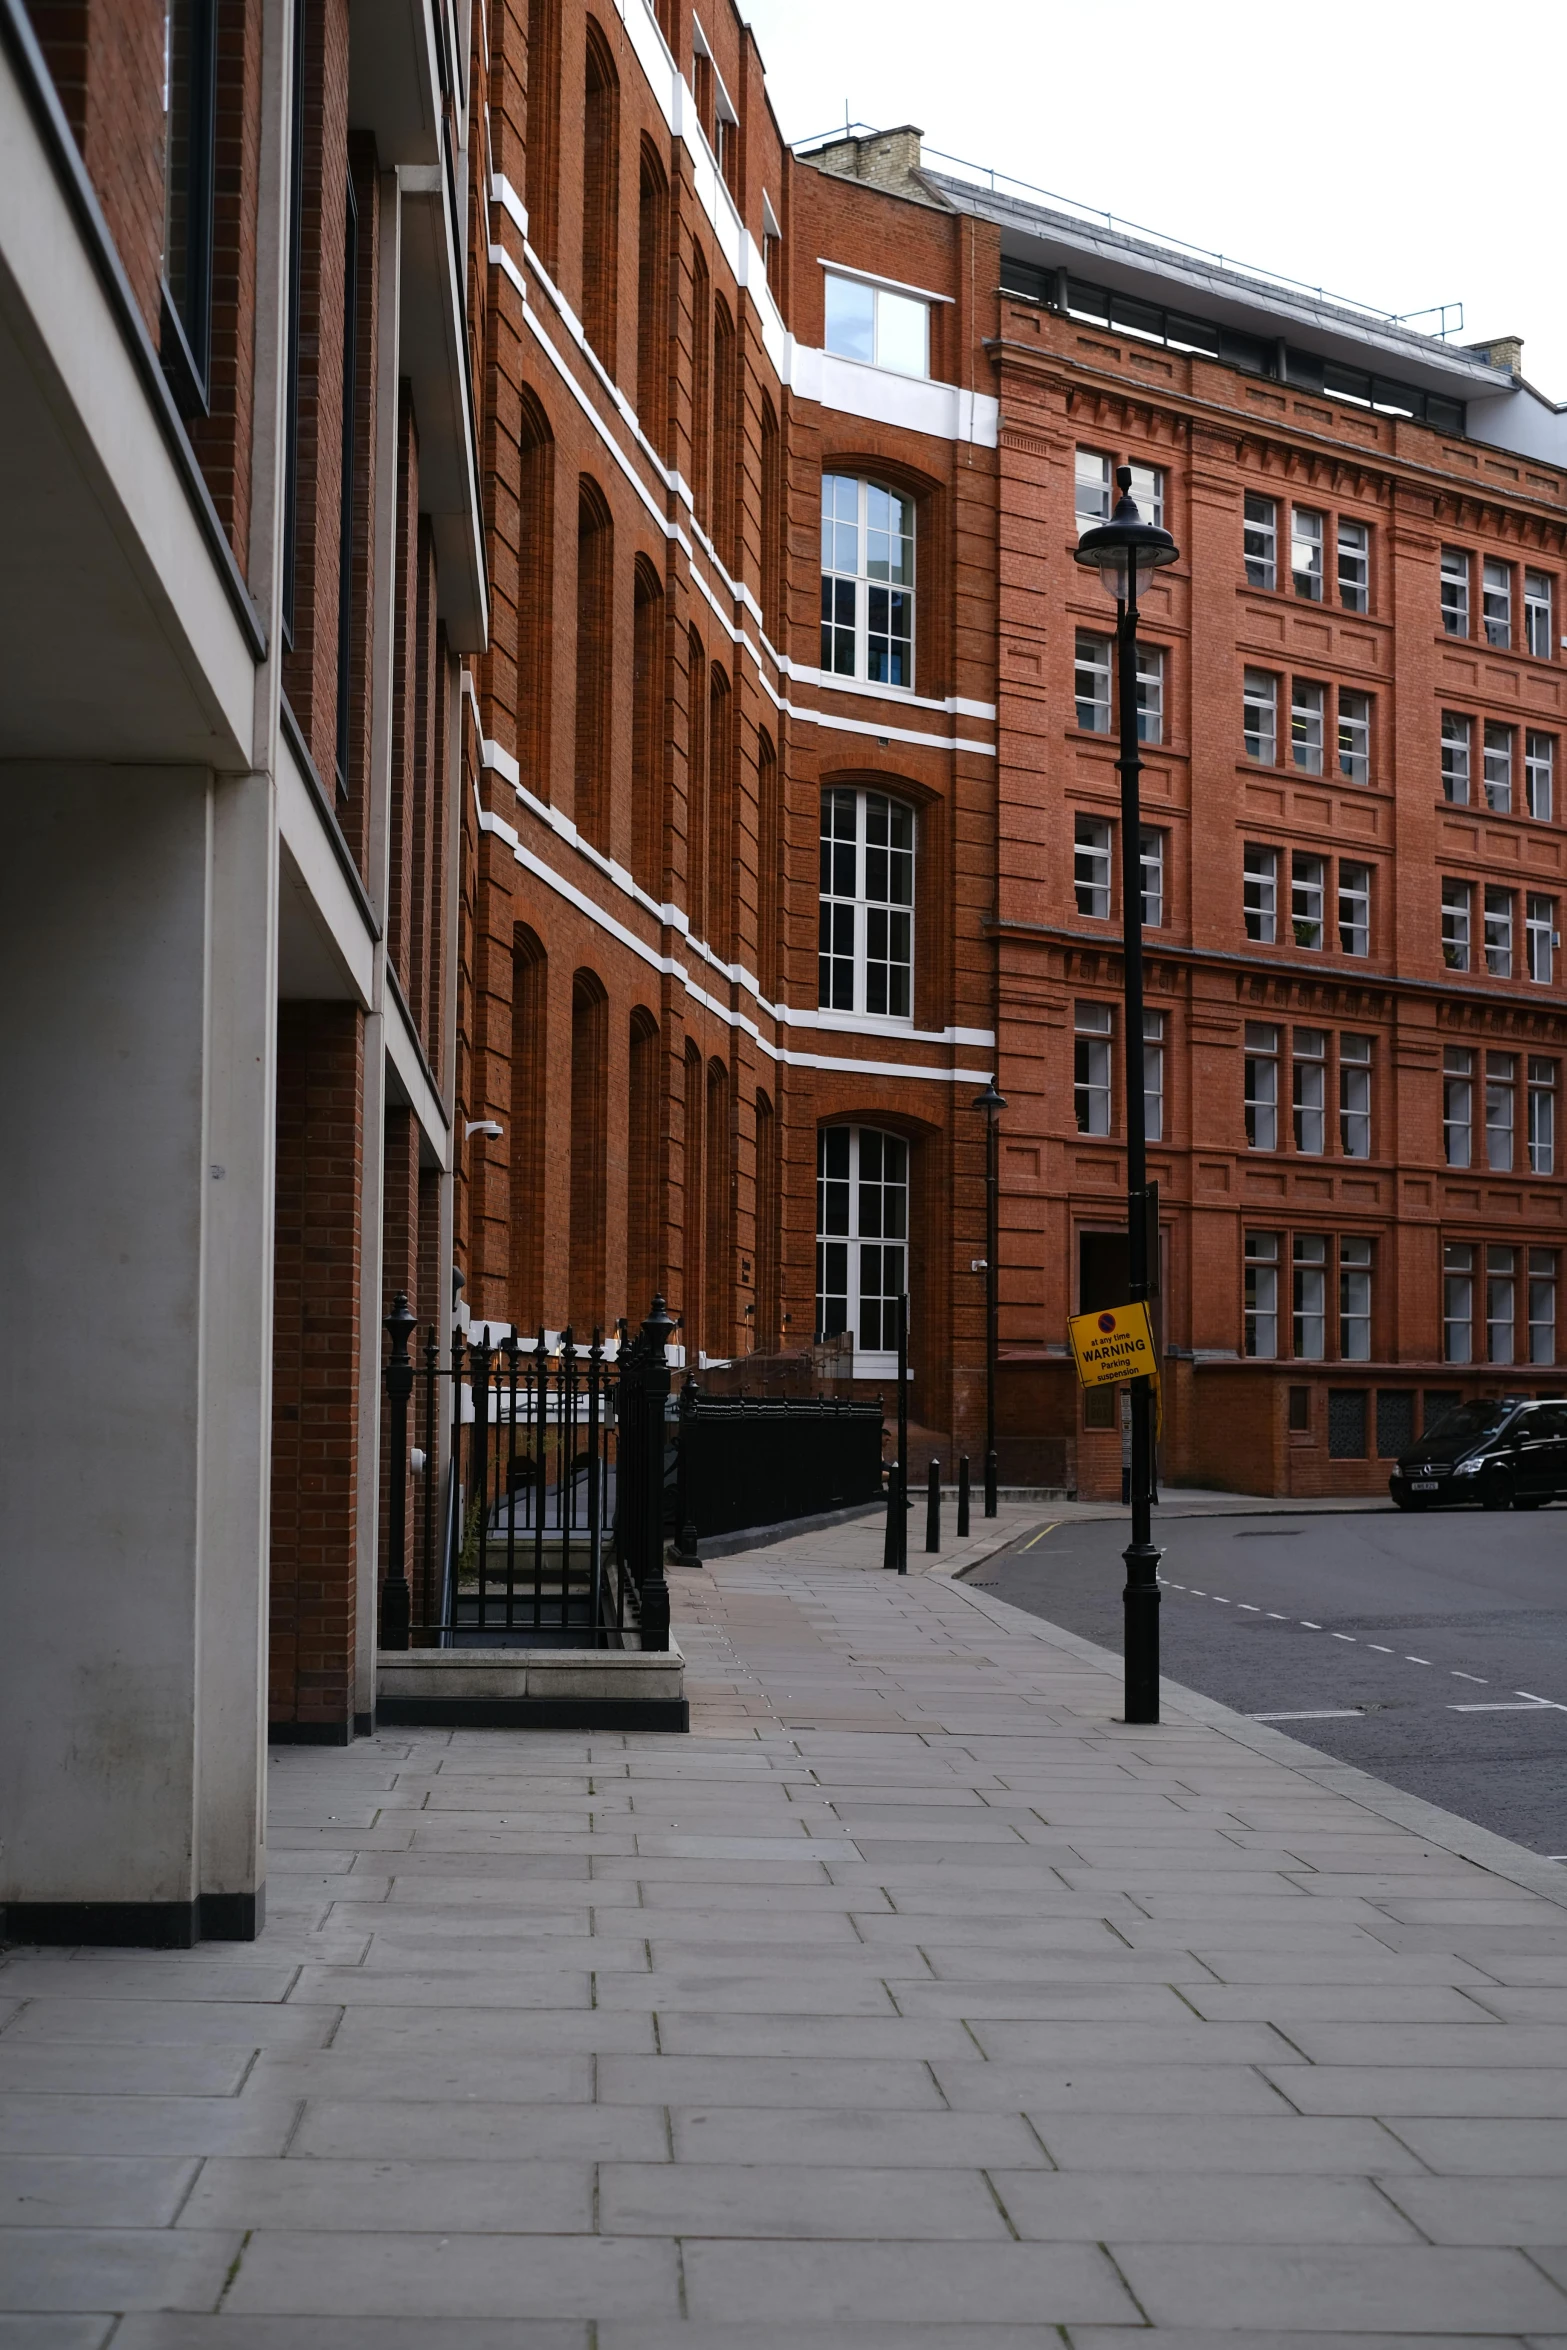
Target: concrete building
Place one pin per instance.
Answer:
(243, 562)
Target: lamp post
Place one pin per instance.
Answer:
(1126, 552)
(992, 1101)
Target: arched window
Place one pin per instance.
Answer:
(643, 1165)
(720, 813)
(726, 420)
(717, 1335)
(862, 1241)
(652, 296)
(543, 165)
(589, 1138)
(529, 1012)
(647, 726)
(595, 644)
(701, 383)
(529, 690)
(867, 581)
(600, 197)
(866, 959)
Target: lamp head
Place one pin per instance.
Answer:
(992, 1101)
(1125, 551)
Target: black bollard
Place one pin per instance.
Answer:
(962, 1495)
(933, 1508)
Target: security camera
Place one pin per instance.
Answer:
(483, 1126)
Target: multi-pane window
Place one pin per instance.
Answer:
(1260, 893)
(1306, 704)
(1498, 757)
(1540, 936)
(1354, 735)
(877, 325)
(1306, 533)
(1457, 907)
(1455, 591)
(1092, 681)
(1150, 694)
(1354, 908)
(1308, 891)
(1354, 1096)
(1501, 1097)
(1542, 1305)
(1151, 849)
(1091, 866)
(1501, 1303)
(1496, 602)
(1091, 1067)
(1310, 1265)
(1458, 1301)
(1539, 774)
(867, 581)
(1498, 931)
(1457, 743)
(1537, 613)
(1354, 1299)
(1153, 1076)
(1458, 1063)
(1261, 716)
(1148, 493)
(866, 936)
(1542, 1115)
(1354, 566)
(862, 1226)
(1262, 1085)
(1261, 541)
(1262, 1295)
(1094, 476)
(1311, 1091)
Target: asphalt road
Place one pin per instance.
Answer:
(1433, 1648)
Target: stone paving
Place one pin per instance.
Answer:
(913, 1999)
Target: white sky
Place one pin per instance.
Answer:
(1391, 151)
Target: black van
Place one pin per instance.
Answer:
(1500, 1452)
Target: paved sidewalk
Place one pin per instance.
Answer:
(914, 1999)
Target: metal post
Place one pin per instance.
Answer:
(902, 1512)
(962, 1495)
(399, 1387)
(933, 1506)
(655, 1389)
(1140, 1598)
(992, 1245)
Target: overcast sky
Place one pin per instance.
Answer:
(1391, 151)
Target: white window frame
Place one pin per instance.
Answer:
(1458, 1301)
(1354, 1298)
(1539, 614)
(1354, 1096)
(1354, 908)
(1308, 709)
(1093, 488)
(1308, 899)
(891, 312)
(1455, 591)
(1091, 664)
(1542, 1115)
(1148, 493)
(1501, 1302)
(1497, 762)
(1541, 1276)
(869, 928)
(1260, 1304)
(1499, 920)
(1153, 1076)
(1309, 1091)
(1501, 1111)
(1260, 892)
(1150, 693)
(1150, 852)
(1093, 1068)
(1260, 716)
(1354, 734)
(1457, 923)
(1458, 1102)
(1309, 1299)
(867, 1308)
(1539, 774)
(1308, 539)
(1540, 937)
(1354, 565)
(1496, 602)
(1092, 866)
(867, 525)
(1260, 540)
(1458, 734)
(1261, 1085)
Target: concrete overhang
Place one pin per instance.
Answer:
(394, 79)
(1227, 297)
(126, 633)
(434, 358)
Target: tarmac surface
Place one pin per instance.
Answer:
(1429, 1649)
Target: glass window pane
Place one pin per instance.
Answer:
(851, 319)
(902, 333)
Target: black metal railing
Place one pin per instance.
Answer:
(546, 1529)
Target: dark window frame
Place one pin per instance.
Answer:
(185, 329)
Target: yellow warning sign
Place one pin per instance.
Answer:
(1116, 1343)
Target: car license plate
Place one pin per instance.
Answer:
(1422, 1485)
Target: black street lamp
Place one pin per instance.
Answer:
(992, 1101)
(1126, 552)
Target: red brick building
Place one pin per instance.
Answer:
(799, 817)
